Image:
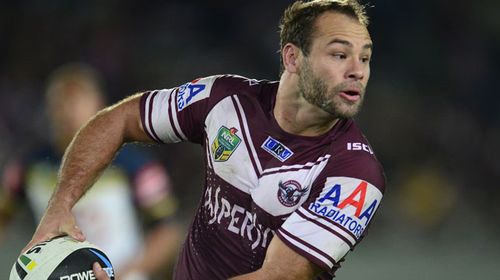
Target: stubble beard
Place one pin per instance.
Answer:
(315, 91)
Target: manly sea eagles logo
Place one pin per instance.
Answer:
(290, 192)
(225, 143)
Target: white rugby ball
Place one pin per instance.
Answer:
(61, 258)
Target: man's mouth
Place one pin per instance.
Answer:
(351, 95)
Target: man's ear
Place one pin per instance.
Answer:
(291, 57)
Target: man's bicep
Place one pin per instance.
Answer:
(130, 111)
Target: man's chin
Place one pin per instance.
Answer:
(345, 111)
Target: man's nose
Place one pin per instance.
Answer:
(355, 70)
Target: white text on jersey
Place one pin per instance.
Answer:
(238, 219)
(356, 146)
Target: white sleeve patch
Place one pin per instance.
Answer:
(194, 91)
(160, 118)
(332, 224)
(163, 107)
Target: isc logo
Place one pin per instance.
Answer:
(356, 146)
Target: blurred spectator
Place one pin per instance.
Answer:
(130, 210)
(427, 196)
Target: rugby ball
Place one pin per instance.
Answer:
(61, 258)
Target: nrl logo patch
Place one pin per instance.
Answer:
(225, 143)
(290, 192)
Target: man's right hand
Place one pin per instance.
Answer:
(56, 221)
(99, 273)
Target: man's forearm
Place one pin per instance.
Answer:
(92, 149)
(89, 153)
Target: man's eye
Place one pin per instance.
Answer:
(339, 55)
(365, 59)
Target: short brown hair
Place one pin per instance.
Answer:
(73, 73)
(297, 23)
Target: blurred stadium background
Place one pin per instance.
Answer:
(432, 111)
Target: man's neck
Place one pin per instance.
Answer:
(297, 116)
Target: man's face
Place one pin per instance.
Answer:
(335, 73)
(75, 105)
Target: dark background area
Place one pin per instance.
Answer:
(432, 111)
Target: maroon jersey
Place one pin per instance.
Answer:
(317, 194)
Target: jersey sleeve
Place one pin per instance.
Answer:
(326, 228)
(335, 216)
(177, 114)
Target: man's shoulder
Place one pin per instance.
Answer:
(354, 156)
(236, 80)
(240, 85)
(217, 87)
